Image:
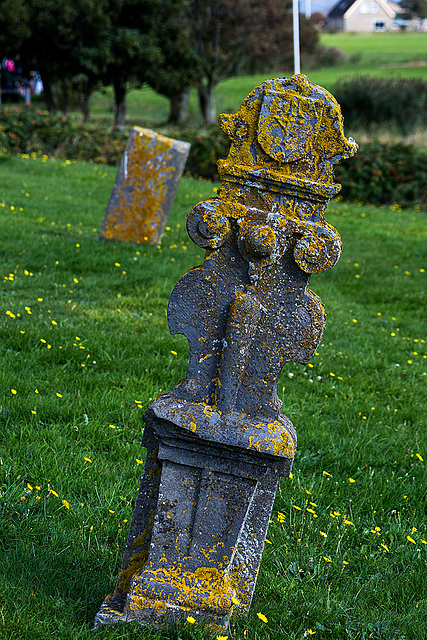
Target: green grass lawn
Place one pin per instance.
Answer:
(85, 348)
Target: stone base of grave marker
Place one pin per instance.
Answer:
(202, 514)
(145, 188)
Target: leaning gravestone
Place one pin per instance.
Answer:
(218, 443)
(145, 187)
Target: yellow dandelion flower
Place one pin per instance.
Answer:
(344, 562)
(191, 620)
(262, 617)
(58, 395)
(222, 638)
(296, 507)
(13, 392)
(139, 461)
(326, 559)
(174, 353)
(88, 460)
(384, 546)
(291, 475)
(268, 541)
(112, 426)
(54, 493)
(111, 511)
(348, 522)
(410, 539)
(419, 457)
(29, 486)
(310, 632)
(351, 481)
(66, 504)
(325, 473)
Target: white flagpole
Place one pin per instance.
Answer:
(295, 12)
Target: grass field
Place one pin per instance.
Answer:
(85, 348)
(379, 54)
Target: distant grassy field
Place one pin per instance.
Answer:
(378, 54)
(85, 348)
(396, 47)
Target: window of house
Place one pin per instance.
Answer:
(364, 7)
(379, 25)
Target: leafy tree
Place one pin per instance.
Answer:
(133, 47)
(229, 37)
(60, 39)
(415, 8)
(179, 69)
(113, 42)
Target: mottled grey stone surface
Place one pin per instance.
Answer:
(218, 442)
(145, 187)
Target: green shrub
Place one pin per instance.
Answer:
(378, 174)
(324, 57)
(367, 102)
(29, 131)
(206, 147)
(385, 174)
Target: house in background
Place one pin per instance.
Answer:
(366, 15)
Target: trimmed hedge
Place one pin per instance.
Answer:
(29, 131)
(385, 174)
(378, 174)
(367, 102)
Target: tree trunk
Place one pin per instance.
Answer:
(179, 106)
(48, 95)
(65, 96)
(207, 103)
(84, 104)
(120, 103)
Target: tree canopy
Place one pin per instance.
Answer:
(170, 44)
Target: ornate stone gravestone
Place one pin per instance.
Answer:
(218, 443)
(145, 187)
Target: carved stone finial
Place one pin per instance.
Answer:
(218, 442)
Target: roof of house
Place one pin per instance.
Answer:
(339, 9)
(343, 6)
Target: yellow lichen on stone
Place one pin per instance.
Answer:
(206, 587)
(144, 189)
